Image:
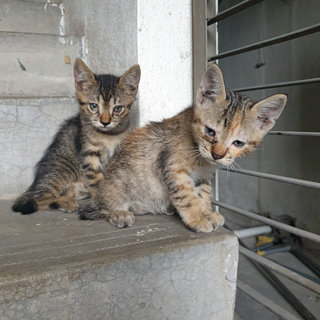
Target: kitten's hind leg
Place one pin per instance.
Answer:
(53, 191)
(31, 202)
(65, 204)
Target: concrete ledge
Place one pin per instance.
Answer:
(31, 16)
(53, 266)
(34, 64)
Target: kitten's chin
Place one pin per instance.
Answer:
(223, 162)
(105, 129)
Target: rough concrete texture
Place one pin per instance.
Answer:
(158, 37)
(37, 65)
(109, 32)
(165, 56)
(111, 36)
(53, 266)
(27, 126)
(41, 17)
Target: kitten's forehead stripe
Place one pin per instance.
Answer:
(107, 84)
(235, 108)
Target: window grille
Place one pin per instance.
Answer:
(206, 19)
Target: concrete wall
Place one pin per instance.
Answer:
(297, 157)
(111, 36)
(165, 56)
(26, 128)
(118, 34)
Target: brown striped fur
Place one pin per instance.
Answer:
(72, 165)
(168, 165)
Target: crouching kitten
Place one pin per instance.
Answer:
(72, 165)
(167, 166)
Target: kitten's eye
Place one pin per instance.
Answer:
(94, 107)
(117, 109)
(238, 143)
(210, 132)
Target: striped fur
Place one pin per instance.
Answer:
(72, 165)
(169, 164)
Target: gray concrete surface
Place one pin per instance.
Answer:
(37, 65)
(43, 17)
(53, 266)
(39, 40)
(27, 126)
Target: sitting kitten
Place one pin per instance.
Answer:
(168, 165)
(74, 161)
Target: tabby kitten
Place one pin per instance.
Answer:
(167, 166)
(72, 165)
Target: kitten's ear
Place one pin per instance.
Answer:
(129, 81)
(267, 111)
(84, 78)
(212, 85)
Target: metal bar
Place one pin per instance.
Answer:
(298, 253)
(253, 231)
(280, 287)
(299, 272)
(276, 224)
(299, 182)
(216, 188)
(294, 133)
(261, 44)
(285, 292)
(199, 43)
(283, 271)
(269, 304)
(279, 85)
(232, 10)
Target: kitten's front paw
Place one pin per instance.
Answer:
(121, 219)
(201, 225)
(216, 219)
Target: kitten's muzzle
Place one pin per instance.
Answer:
(217, 156)
(105, 124)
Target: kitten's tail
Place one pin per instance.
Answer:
(25, 204)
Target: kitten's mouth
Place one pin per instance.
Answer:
(105, 128)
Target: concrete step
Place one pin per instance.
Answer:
(43, 1)
(37, 65)
(27, 127)
(31, 16)
(53, 266)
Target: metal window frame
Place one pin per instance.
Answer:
(200, 58)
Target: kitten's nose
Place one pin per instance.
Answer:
(216, 156)
(105, 123)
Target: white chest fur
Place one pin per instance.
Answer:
(108, 146)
